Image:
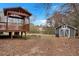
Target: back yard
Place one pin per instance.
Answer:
(44, 45)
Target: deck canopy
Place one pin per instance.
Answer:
(16, 12)
(15, 19)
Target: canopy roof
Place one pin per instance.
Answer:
(16, 10)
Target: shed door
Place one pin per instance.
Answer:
(64, 32)
(67, 33)
(61, 32)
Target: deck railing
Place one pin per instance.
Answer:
(13, 26)
(2, 25)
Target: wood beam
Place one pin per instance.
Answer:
(18, 13)
(7, 23)
(25, 35)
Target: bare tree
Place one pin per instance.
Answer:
(71, 13)
(45, 7)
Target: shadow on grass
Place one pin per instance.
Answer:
(19, 37)
(9, 37)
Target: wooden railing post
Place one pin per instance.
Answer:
(7, 22)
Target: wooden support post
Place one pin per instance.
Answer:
(25, 35)
(21, 34)
(16, 34)
(11, 36)
(7, 24)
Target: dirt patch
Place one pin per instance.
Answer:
(44, 46)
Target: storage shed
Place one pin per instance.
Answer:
(15, 19)
(66, 31)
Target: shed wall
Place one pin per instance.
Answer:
(72, 32)
(57, 32)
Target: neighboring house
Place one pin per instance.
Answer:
(66, 31)
(15, 20)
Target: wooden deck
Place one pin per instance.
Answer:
(12, 27)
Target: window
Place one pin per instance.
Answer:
(15, 20)
(26, 21)
(14, 23)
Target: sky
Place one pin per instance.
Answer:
(38, 12)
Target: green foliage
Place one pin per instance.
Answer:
(31, 37)
(48, 31)
(34, 31)
(33, 28)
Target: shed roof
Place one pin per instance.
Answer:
(67, 26)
